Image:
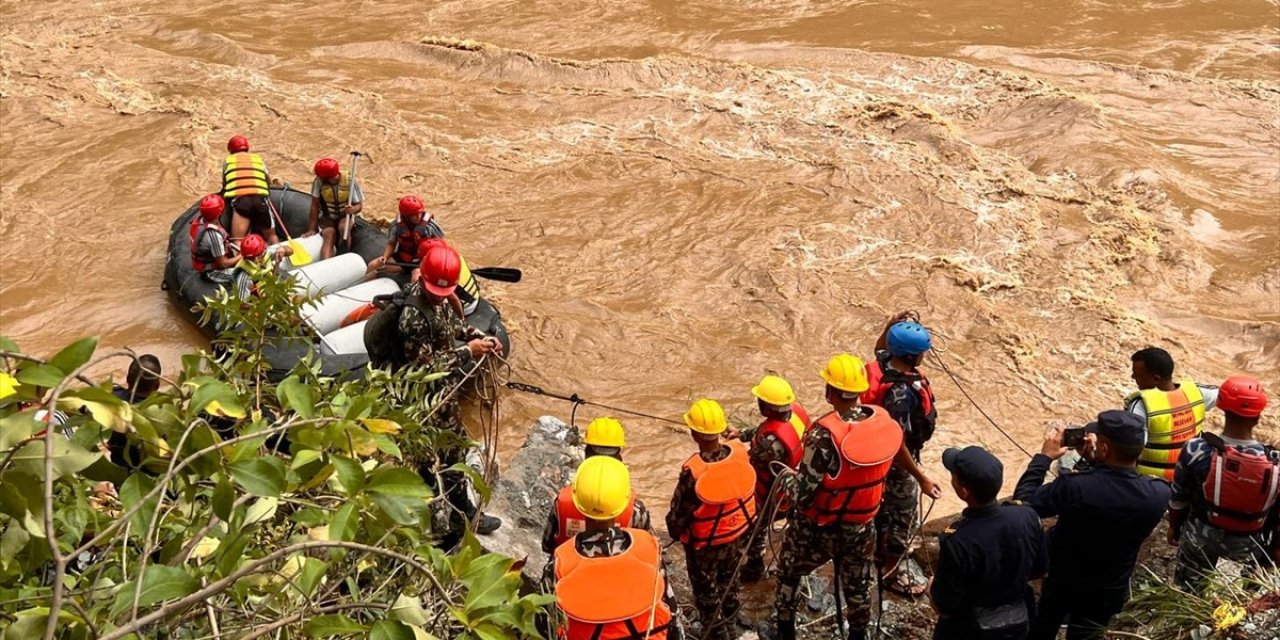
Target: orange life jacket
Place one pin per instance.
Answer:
(201, 260)
(867, 448)
(244, 174)
(1241, 487)
(613, 597)
(570, 521)
(409, 237)
(788, 433)
(922, 419)
(726, 489)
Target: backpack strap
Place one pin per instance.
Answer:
(1214, 440)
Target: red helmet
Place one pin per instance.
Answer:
(211, 207)
(411, 206)
(253, 246)
(440, 270)
(327, 168)
(237, 143)
(427, 244)
(1243, 396)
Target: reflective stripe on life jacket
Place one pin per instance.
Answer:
(789, 433)
(202, 260)
(867, 448)
(613, 597)
(244, 174)
(468, 290)
(333, 197)
(1241, 487)
(1173, 418)
(726, 489)
(570, 521)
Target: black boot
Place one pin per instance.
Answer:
(487, 524)
(858, 633)
(752, 571)
(786, 630)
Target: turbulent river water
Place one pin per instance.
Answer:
(698, 192)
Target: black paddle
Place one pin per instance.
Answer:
(501, 274)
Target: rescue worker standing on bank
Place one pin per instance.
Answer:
(606, 559)
(331, 216)
(776, 439)
(1224, 491)
(246, 185)
(1104, 515)
(896, 383)
(604, 437)
(1174, 412)
(835, 495)
(987, 557)
(712, 511)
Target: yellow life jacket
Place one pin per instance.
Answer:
(244, 174)
(1173, 418)
(467, 283)
(333, 197)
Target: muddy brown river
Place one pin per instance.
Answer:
(698, 192)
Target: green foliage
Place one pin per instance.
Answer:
(1160, 610)
(253, 501)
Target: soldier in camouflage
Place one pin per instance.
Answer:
(835, 494)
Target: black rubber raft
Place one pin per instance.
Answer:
(188, 288)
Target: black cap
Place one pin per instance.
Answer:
(1120, 427)
(976, 469)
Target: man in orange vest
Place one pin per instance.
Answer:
(626, 564)
(604, 437)
(246, 185)
(712, 512)
(835, 495)
(776, 439)
(1174, 411)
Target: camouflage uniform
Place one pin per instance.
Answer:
(611, 542)
(1201, 544)
(807, 545)
(429, 331)
(711, 569)
(640, 519)
(903, 399)
(898, 511)
(763, 451)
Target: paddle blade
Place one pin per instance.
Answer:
(301, 257)
(501, 274)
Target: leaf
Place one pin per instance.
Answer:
(259, 476)
(219, 394)
(490, 583)
(159, 583)
(476, 478)
(390, 630)
(224, 498)
(7, 344)
(205, 548)
(345, 523)
(15, 428)
(68, 458)
(13, 540)
(387, 446)
(295, 395)
(303, 458)
(74, 355)
(309, 578)
(331, 625)
(487, 631)
(408, 610)
(131, 493)
(41, 375)
(115, 416)
(262, 510)
(402, 510)
(231, 551)
(379, 425)
(350, 473)
(361, 442)
(397, 481)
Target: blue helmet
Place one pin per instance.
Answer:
(908, 339)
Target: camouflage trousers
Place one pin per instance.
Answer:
(1203, 545)
(714, 585)
(808, 546)
(898, 512)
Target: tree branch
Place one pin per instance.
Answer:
(297, 617)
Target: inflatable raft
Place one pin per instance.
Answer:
(338, 281)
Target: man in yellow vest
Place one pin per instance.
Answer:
(246, 185)
(604, 437)
(331, 215)
(1174, 411)
(712, 512)
(626, 564)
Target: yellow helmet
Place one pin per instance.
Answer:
(846, 373)
(605, 432)
(775, 391)
(601, 488)
(8, 385)
(706, 416)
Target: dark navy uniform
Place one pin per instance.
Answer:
(985, 560)
(1104, 516)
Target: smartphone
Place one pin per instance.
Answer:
(1073, 437)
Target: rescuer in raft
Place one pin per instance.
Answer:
(331, 216)
(405, 238)
(211, 252)
(1174, 411)
(246, 185)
